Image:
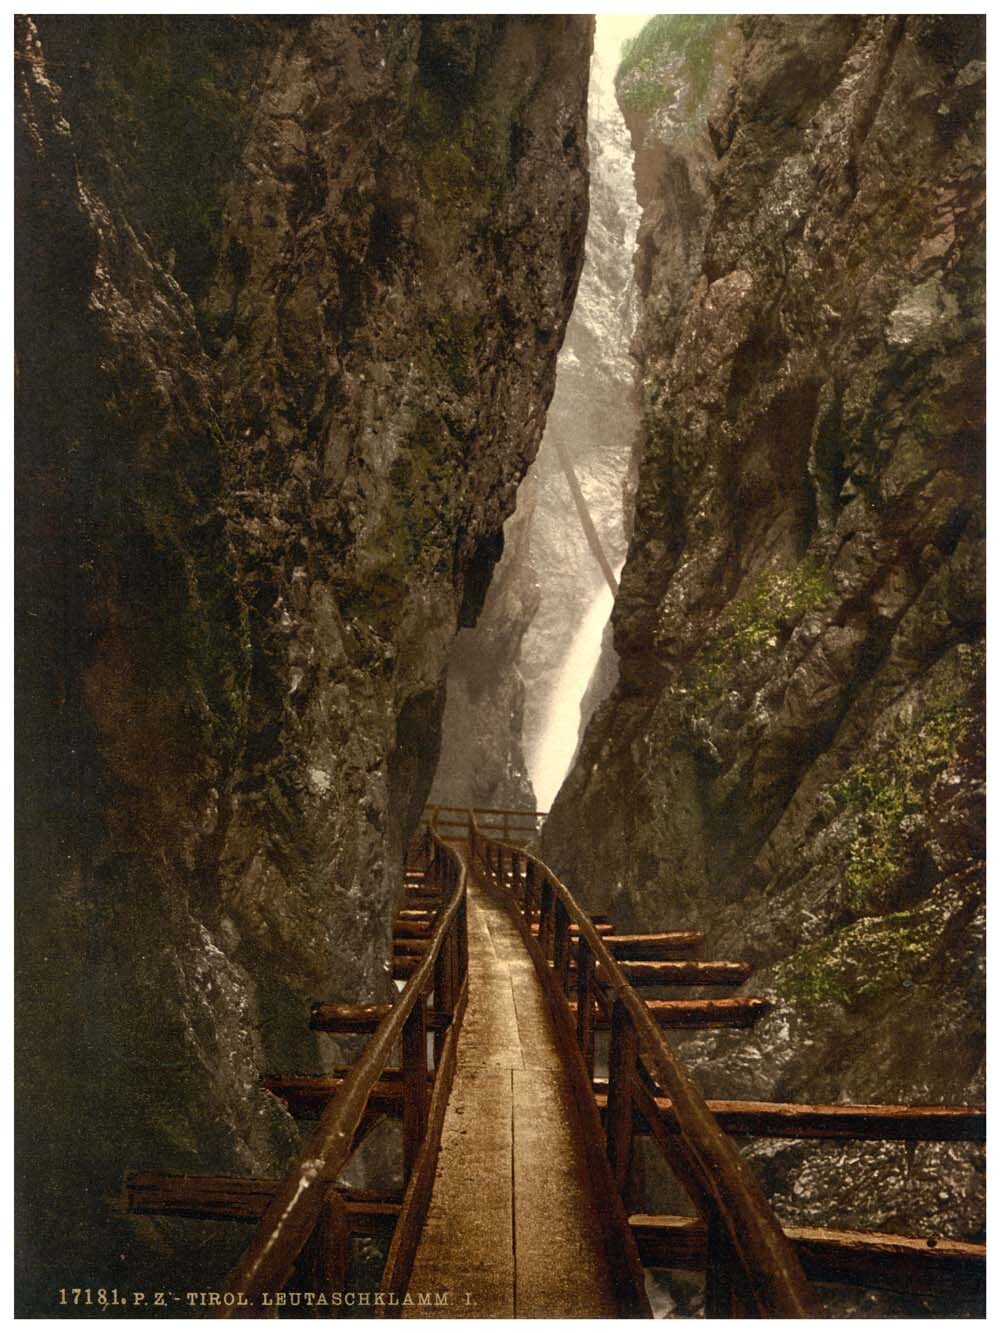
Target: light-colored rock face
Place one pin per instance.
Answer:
(792, 759)
(504, 673)
(292, 292)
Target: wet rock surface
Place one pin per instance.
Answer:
(291, 296)
(792, 759)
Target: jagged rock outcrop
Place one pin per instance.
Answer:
(793, 756)
(291, 293)
(504, 672)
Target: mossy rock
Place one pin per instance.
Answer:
(890, 789)
(689, 39)
(754, 624)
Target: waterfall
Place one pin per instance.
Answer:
(518, 681)
(558, 742)
(595, 372)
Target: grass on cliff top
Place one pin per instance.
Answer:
(639, 81)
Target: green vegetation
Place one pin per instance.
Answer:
(884, 794)
(753, 623)
(862, 963)
(691, 37)
(463, 151)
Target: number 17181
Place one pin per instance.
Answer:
(91, 1296)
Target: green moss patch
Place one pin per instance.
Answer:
(883, 794)
(878, 956)
(754, 624)
(866, 961)
(462, 151)
(411, 533)
(640, 81)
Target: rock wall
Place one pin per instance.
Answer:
(793, 756)
(504, 671)
(290, 297)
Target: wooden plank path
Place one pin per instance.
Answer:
(512, 1221)
(502, 1222)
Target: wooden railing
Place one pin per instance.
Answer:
(453, 821)
(303, 1241)
(305, 1221)
(752, 1268)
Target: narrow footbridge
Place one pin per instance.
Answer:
(524, 1064)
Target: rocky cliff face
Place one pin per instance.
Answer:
(504, 672)
(291, 293)
(792, 758)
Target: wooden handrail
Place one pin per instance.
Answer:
(714, 1171)
(487, 810)
(298, 1203)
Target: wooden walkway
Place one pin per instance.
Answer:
(512, 1230)
(502, 1166)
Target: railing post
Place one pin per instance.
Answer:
(462, 935)
(560, 945)
(414, 1084)
(445, 969)
(529, 893)
(621, 1072)
(545, 917)
(727, 1295)
(327, 1254)
(585, 1004)
(506, 827)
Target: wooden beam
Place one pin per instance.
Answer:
(741, 1012)
(922, 1266)
(307, 1095)
(664, 944)
(415, 947)
(232, 1198)
(361, 1017)
(407, 929)
(602, 928)
(791, 1120)
(644, 972)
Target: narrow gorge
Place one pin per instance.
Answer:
(320, 322)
